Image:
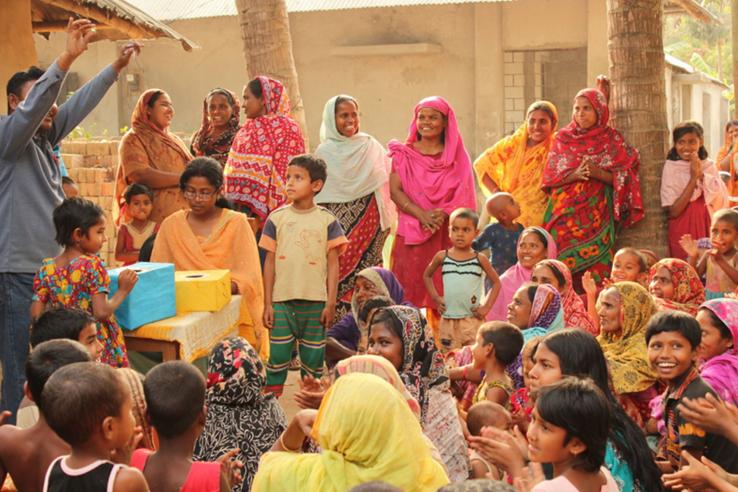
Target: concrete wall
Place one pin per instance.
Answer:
(467, 70)
(105, 117)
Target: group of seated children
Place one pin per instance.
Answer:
(540, 374)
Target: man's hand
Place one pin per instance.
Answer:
(127, 52)
(80, 33)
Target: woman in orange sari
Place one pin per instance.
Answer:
(515, 163)
(149, 154)
(208, 237)
(726, 155)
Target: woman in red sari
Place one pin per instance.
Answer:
(257, 163)
(431, 177)
(592, 176)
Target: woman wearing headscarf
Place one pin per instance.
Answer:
(239, 415)
(515, 163)
(370, 282)
(356, 191)
(534, 244)
(221, 113)
(725, 155)
(674, 284)
(624, 310)
(431, 177)
(366, 432)
(536, 310)
(257, 163)
(150, 154)
(592, 177)
(398, 333)
(557, 274)
(718, 319)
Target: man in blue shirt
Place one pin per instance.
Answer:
(31, 186)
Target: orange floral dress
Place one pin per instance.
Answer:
(73, 286)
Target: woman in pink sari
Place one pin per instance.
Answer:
(718, 319)
(431, 177)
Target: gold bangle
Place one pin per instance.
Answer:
(284, 446)
(405, 205)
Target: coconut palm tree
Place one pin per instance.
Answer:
(267, 45)
(638, 106)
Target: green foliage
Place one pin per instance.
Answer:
(707, 47)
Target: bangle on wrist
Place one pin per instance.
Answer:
(284, 446)
(405, 205)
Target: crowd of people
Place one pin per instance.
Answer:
(512, 349)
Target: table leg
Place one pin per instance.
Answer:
(169, 350)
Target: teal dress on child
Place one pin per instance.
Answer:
(619, 469)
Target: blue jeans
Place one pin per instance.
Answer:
(16, 290)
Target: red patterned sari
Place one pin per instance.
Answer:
(583, 216)
(257, 164)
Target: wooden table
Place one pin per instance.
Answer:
(187, 336)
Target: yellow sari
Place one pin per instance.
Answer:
(367, 432)
(517, 169)
(232, 246)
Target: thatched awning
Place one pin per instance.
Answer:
(692, 8)
(115, 19)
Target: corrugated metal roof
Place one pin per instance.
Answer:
(195, 9)
(121, 19)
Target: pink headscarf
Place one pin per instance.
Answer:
(446, 182)
(721, 372)
(517, 275)
(575, 314)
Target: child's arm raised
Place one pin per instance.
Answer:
(268, 288)
(590, 288)
(102, 307)
(329, 312)
(690, 246)
(482, 310)
(428, 281)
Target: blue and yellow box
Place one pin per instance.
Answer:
(202, 290)
(152, 298)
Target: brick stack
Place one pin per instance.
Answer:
(92, 165)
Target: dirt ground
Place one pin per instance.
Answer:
(290, 388)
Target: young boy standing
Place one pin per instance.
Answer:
(303, 242)
(673, 338)
(463, 271)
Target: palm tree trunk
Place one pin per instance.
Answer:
(267, 45)
(638, 106)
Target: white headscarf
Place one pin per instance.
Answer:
(357, 166)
